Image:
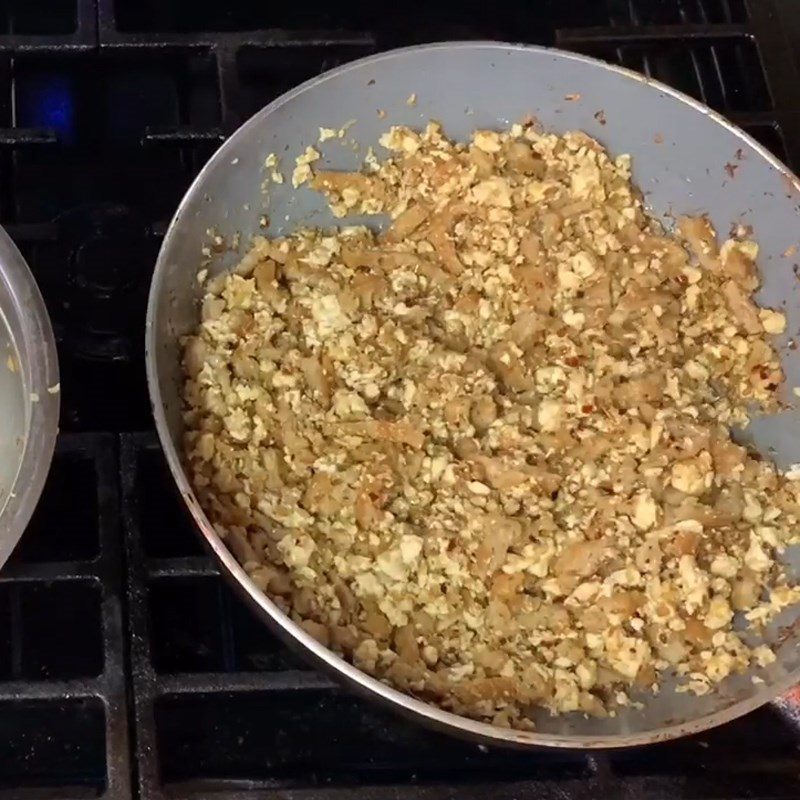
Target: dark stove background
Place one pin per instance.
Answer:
(126, 667)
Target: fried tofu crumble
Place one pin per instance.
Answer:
(486, 455)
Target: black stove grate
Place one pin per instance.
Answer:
(108, 108)
(63, 715)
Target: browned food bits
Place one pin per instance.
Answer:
(485, 455)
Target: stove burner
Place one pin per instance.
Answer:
(108, 248)
(107, 267)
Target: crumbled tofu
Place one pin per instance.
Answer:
(302, 172)
(755, 557)
(582, 265)
(645, 511)
(719, 613)
(271, 164)
(774, 322)
(488, 141)
(493, 191)
(575, 319)
(763, 656)
(342, 132)
(486, 455)
(692, 476)
(724, 566)
(550, 414)
(401, 139)
(328, 315)
(410, 548)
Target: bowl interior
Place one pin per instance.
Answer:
(29, 393)
(13, 423)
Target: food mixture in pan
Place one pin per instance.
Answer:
(486, 455)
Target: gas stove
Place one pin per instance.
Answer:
(127, 668)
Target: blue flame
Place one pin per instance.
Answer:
(47, 101)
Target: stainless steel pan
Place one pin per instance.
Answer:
(687, 159)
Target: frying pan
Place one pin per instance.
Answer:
(687, 159)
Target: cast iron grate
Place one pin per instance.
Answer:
(108, 108)
(63, 717)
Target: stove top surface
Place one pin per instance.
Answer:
(127, 668)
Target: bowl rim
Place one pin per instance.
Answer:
(266, 610)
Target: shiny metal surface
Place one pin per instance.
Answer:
(28, 395)
(687, 159)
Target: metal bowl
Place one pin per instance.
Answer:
(29, 394)
(686, 159)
